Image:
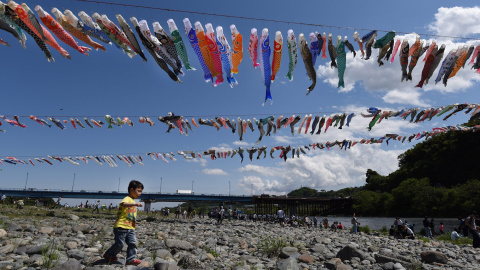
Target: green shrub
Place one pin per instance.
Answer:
(460, 241)
(50, 254)
(384, 230)
(364, 229)
(211, 251)
(271, 246)
(150, 219)
(424, 239)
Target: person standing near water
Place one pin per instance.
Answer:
(472, 228)
(355, 224)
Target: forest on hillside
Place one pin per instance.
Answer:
(438, 177)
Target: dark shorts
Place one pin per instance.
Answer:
(281, 219)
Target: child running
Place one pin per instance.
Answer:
(124, 228)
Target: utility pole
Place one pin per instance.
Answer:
(26, 181)
(228, 188)
(73, 181)
(192, 185)
(252, 189)
(118, 184)
(161, 181)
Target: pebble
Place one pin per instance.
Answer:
(78, 242)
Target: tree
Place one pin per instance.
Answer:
(303, 192)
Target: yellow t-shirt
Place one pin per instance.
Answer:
(126, 216)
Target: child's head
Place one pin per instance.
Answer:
(135, 189)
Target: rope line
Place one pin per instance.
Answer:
(265, 20)
(228, 115)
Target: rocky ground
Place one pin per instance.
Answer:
(65, 239)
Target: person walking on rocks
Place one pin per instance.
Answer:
(281, 217)
(3, 198)
(432, 226)
(58, 205)
(95, 207)
(178, 211)
(472, 228)
(124, 228)
(230, 212)
(426, 227)
(220, 215)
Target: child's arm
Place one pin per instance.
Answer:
(131, 204)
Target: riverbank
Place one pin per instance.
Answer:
(33, 238)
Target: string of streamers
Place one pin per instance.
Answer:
(131, 159)
(212, 49)
(224, 115)
(259, 19)
(265, 126)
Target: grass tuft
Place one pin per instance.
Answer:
(271, 246)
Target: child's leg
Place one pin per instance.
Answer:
(131, 241)
(120, 235)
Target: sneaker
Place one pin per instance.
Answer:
(109, 259)
(134, 262)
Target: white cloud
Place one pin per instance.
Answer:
(322, 170)
(456, 21)
(202, 161)
(240, 143)
(214, 172)
(258, 186)
(260, 170)
(387, 78)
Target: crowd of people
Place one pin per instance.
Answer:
(399, 229)
(466, 227)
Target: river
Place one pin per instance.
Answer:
(376, 223)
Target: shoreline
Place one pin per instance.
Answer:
(78, 240)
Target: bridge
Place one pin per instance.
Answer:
(147, 197)
(264, 204)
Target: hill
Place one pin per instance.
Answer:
(438, 177)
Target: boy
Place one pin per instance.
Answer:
(124, 228)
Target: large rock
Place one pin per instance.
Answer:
(13, 227)
(34, 250)
(3, 233)
(189, 262)
(288, 264)
(350, 251)
(163, 253)
(73, 217)
(6, 249)
(165, 266)
(35, 260)
(84, 228)
(393, 258)
(288, 251)
(76, 254)
(332, 263)
(319, 248)
(180, 244)
(46, 230)
(434, 257)
(71, 264)
(306, 258)
(344, 267)
(71, 245)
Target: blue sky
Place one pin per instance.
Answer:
(112, 83)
